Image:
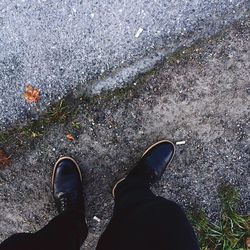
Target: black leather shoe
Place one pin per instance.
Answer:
(153, 163)
(67, 185)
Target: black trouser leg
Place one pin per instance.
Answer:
(143, 221)
(66, 231)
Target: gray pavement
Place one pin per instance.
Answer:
(200, 96)
(84, 46)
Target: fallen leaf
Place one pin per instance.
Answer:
(31, 94)
(248, 242)
(4, 159)
(70, 137)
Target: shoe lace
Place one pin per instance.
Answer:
(64, 200)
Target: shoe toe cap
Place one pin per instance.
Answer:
(66, 176)
(158, 158)
(161, 153)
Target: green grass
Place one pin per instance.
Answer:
(232, 229)
(62, 112)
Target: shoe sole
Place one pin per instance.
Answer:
(122, 179)
(56, 165)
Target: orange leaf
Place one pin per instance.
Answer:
(70, 137)
(248, 242)
(31, 94)
(4, 159)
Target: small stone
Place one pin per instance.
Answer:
(180, 142)
(138, 33)
(96, 219)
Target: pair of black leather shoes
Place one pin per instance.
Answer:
(67, 177)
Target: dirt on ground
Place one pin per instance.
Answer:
(200, 95)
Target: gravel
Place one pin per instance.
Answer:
(83, 47)
(200, 96)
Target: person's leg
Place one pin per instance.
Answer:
(21, 241)
(142, 220)
(68, 230)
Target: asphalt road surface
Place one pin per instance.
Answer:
(201, 97)
(86, 46)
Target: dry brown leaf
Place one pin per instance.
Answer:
(4, 159)
(248, 242)
(70, 137)
(31, 94)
